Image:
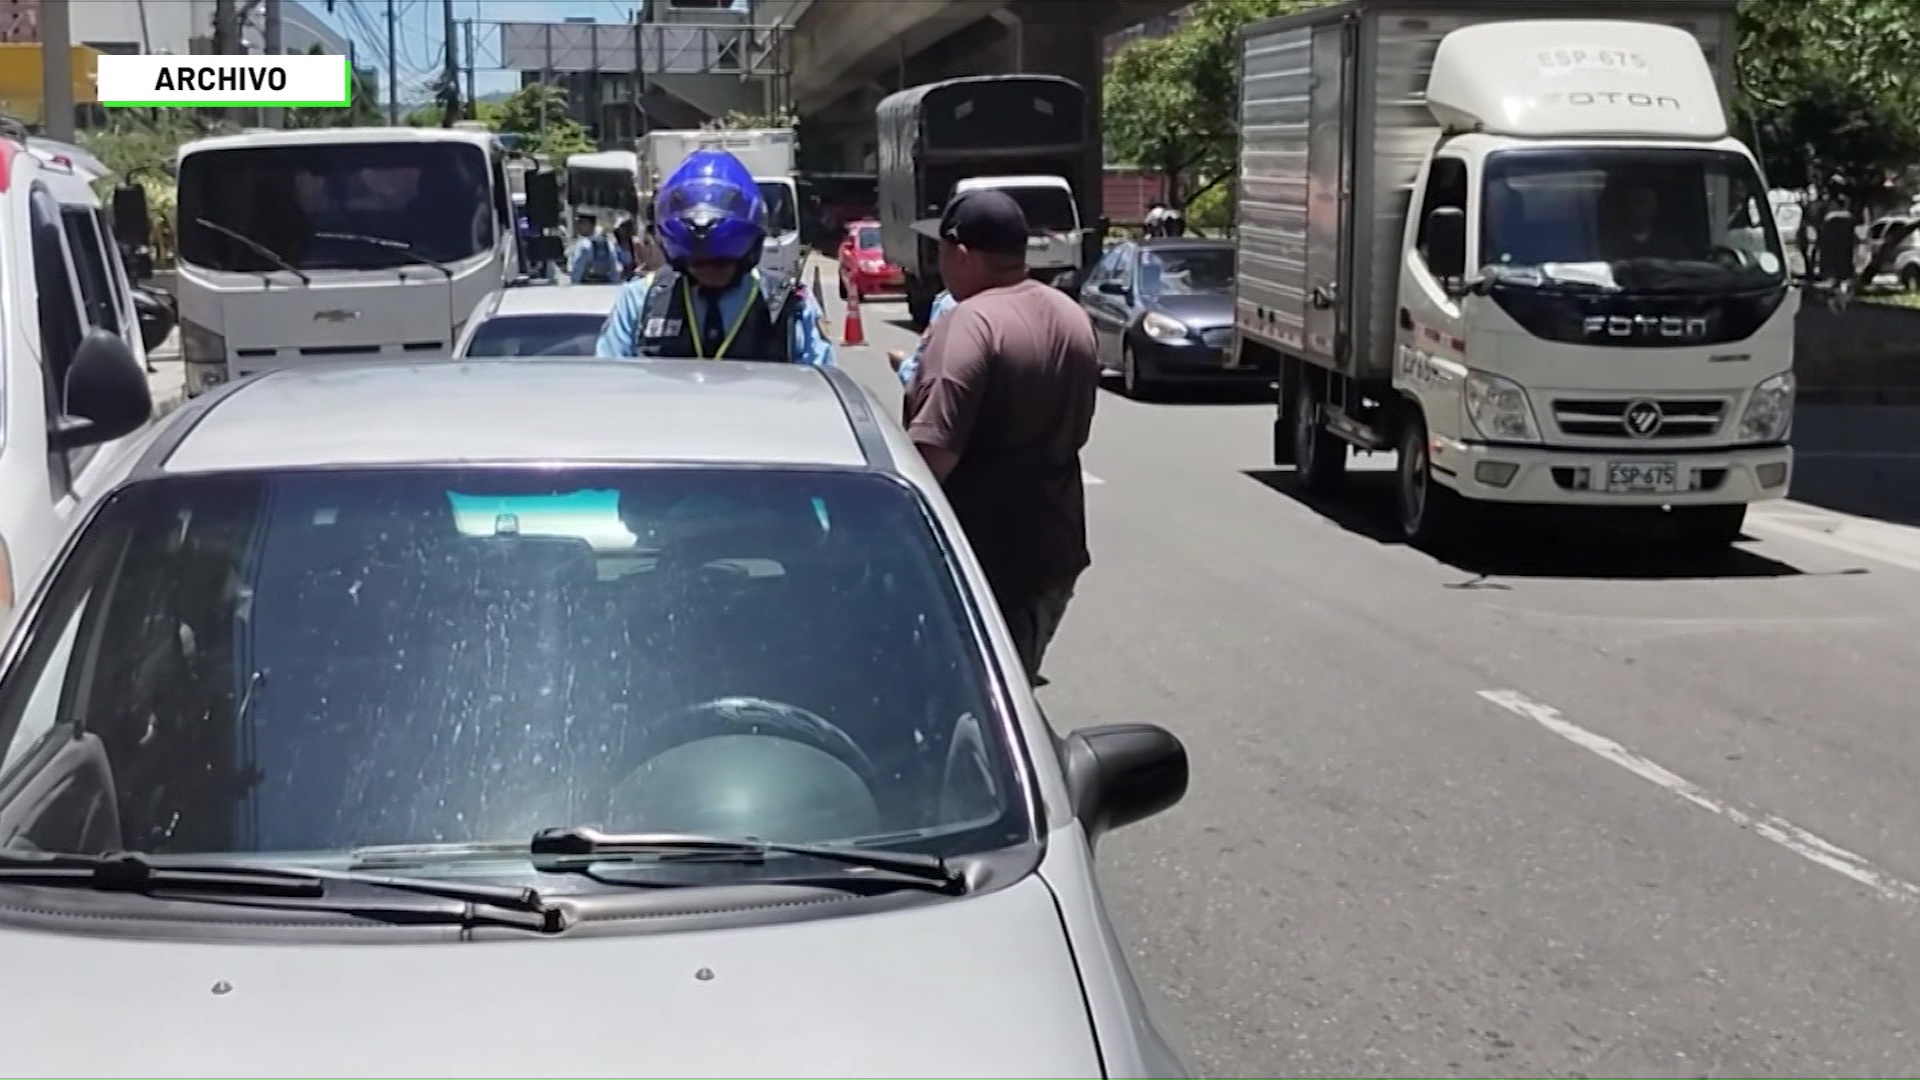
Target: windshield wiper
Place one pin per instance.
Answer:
(197, 879)
(257, 248)
(388, 243)
(565, 848)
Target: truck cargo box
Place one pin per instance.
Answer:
(1334, 128)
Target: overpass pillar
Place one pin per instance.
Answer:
(1055, 37)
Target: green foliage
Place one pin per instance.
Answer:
(746, 121)
(1831, 88)
(365, 109)
(1171, 103)
(537, 112)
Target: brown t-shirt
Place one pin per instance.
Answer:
(1008, 382)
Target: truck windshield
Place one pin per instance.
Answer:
(432, 197)
(1640, 219)
(603, 189)
(1048, 209)
(782, 217)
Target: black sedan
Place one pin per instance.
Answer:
(1162, 312)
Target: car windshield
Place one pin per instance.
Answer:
(867, 239)
(782, 218)
(1194, 271)
(313, 662)
(550, 334)
(1048, 209)
(1658, 219)
(431, 197)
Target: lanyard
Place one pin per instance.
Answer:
(693, 321)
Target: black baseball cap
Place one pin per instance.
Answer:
(985, 220)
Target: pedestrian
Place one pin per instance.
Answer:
(624, 234)
(596, 255)
(1000, 408)
(905, 364)
(712, 302)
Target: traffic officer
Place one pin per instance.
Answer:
(711, 301)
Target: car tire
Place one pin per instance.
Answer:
(1432, 515)
(1319, 455)
(1134, 383)
(1705, 529)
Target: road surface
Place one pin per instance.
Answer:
(1573, 810)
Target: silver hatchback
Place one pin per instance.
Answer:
(571, 719)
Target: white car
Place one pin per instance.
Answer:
(63, 281)
(560, 719)
(538, 320)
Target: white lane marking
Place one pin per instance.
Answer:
(1779, 830)
(1089, 479)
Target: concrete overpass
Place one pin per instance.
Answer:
(847, 54)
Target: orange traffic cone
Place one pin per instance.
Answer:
(856, 333)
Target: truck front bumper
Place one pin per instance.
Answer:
(1586, 477)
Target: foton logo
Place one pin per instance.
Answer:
(1672, 327)
(1587, 98)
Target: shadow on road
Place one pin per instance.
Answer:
(1199, 393)
(1859, 460)
(1527, 542)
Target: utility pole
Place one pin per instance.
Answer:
(473, 62)
(450, 82)
(56, 68)
(270, 34)
(225, 23)
(393, 64)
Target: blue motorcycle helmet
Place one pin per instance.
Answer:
(710, 209)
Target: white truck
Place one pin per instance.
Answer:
(333, 244)
(605, 184)
(768, 154)
(1524, 253)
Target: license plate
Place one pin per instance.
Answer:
(1643, 477)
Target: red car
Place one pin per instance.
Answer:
(863, 265)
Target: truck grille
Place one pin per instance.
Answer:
(1650, 418)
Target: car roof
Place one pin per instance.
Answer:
(330, 136)
(524, 411)
(556, 300)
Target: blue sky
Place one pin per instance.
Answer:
(421, 49)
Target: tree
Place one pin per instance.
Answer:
(537, 112)
(1171, 103)
(1830, 89)
(363, 110)
(748, 121)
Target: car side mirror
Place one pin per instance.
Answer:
(1123, 773)
(1447, 242)
(106, 395)
(543, 199)
(157, 318)
(1114, 288)
(132, 225)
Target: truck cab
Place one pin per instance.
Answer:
(1595, 307)
(1053, 222)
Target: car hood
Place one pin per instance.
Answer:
(980, 986)
(1198, 310)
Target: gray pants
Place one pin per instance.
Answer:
(1033, 624)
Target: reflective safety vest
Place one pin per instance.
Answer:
(670, 322)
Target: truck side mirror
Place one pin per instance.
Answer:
(543, 199)
(1446, 246)
(132, 226)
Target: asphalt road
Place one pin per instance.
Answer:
(1574, 810)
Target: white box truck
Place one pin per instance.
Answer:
(768, 154)
(1516, 244)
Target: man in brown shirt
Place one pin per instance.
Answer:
(1000, 408)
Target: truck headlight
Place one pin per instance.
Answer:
(1163, 329)
(1499, 409)
(1769, 415)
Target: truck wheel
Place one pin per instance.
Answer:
(1910, 278)
(1431, 513)
(1319, 455)
(1707, 528)
(919, 306)
(843, 286)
